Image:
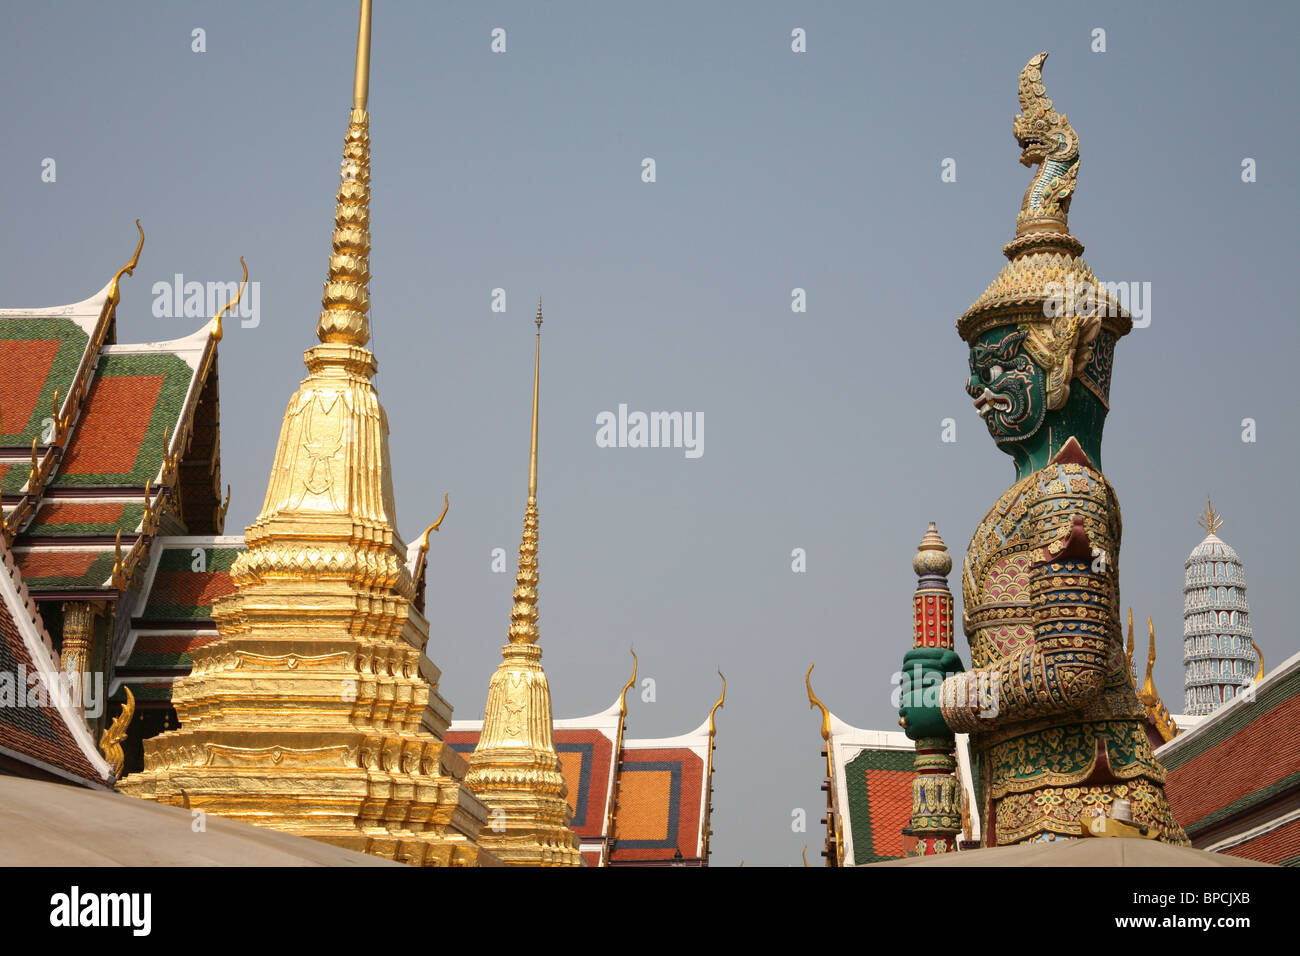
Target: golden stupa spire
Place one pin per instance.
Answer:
(514, 768)
(344, 318)
(1210, 519)
(316, 710)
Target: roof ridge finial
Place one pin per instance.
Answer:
(814, 701)
(216, 319)
(1148, 693)
(129, 269)
(622, 697)
(1211, 520)
(722, 699)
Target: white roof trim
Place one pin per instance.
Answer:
(847, 741)
(1256, 831)
(190, 347)
(85, 313)
(41, 652)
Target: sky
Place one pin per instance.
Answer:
(774, 171)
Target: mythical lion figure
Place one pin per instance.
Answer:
(1057, 733)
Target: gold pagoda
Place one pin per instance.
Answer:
(316, 711)
(515, 769)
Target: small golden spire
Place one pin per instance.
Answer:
(814, 702)
(345, 302)
(216, 319)
(1259, 675)
(805, 855)
(523, 618)
(514, 767)
(1148, 693)
(114, 295)
(361, 85)
(1210, 520)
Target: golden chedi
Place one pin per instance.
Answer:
(514, 768)
(316, 711)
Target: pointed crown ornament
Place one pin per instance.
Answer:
(1073, 320)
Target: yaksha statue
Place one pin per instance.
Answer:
(1057, 732)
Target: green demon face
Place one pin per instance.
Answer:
(1010, 391)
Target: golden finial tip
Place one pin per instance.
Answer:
(539, 313)
(129, 268)
(216, 319)
(813, 701)
(722, 699)
(1211, 520)
(361, 82)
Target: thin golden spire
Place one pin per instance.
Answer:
(1259, 674)
(1211, 521)
(361, 85)
(523, 617)
(537, 367)
(514, 768)
(344, 318)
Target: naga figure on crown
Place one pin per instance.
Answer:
(1056, 730)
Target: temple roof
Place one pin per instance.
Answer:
(659, 788)
(127, 451)
(870, 781)
(43, 736)
(43, 350)
(1234, 778)
(172, 614)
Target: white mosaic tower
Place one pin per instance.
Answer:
(1219, 655)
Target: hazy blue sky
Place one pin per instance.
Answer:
(775, 170)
